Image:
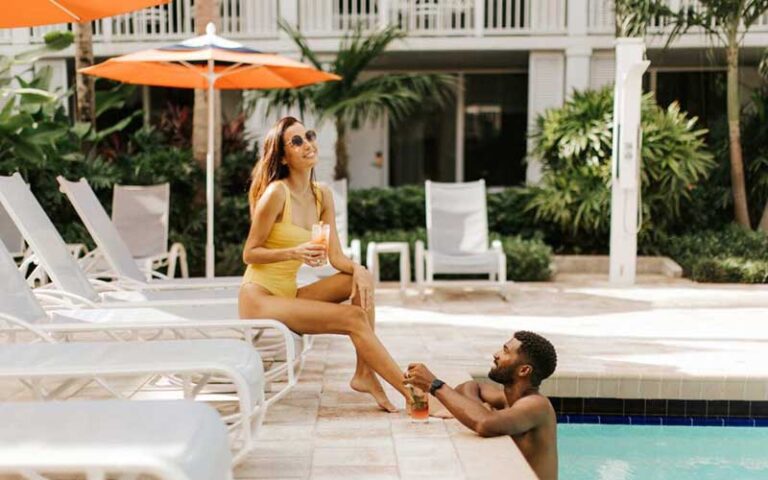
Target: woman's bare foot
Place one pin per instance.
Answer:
(370, 384)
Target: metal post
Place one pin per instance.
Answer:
(209, 167)
(625, 160)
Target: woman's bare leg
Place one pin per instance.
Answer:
(337, 288)
(316, 317)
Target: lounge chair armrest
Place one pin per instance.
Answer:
(356, 250)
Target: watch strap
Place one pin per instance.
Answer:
(436, 385)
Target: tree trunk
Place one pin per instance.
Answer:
(85, 106)
(738, 186)
(342, 155)
(206, 11)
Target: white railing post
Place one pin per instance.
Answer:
(384, 9)
(20, 36)
(289, 11)
(479, 17)
(106, 29)
(577, 17)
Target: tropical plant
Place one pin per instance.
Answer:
(356, 98)
(634, 16)
(574, 143)
(726, 22)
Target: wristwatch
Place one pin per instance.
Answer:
(436, 385)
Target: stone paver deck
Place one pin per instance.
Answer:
(661, 338)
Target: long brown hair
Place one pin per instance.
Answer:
(270, 167)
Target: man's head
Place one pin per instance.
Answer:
(526, 355)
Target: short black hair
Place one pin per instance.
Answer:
(540, 353)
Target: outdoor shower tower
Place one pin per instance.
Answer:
(625, 160)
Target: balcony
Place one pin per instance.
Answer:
(330, 19)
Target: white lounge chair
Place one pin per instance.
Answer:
(165, 440)
(273, 340)
(350, 248)
(457, 238)
(10, 236)
(66, 274)
(117, 253)
(45, 370)
(141, 215)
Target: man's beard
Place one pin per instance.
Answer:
(503, 375)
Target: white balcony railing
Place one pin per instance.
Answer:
(601, 17)
(258, 19)
(333, 18)
(175, 21)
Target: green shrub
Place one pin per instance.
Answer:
(384, 209)
(527, 260)
(574, 143)
(730, 270)
(733, 241)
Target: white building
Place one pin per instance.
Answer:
(513, 58)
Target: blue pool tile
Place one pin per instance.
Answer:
(563, 419)
(644, 420)
(761, 422)
(614, 420)
(678, 421)
(739, 422)
(583, 419)
(707, 422)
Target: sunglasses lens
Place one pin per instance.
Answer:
(311, 135)
(297, 141)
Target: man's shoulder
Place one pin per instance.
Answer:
(537, 403)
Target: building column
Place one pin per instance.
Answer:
(546, 75)
(577, 69)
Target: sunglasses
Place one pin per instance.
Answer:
(298, 140)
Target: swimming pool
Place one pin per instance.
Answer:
(624, 452)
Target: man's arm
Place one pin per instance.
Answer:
(484, 393)
(524, 415)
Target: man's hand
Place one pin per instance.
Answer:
(419, 376)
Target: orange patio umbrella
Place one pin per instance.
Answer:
(209, 62)
(29, 13)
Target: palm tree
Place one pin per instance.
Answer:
(206, 11)
(85, 107)
(726, 22)
(354, 100)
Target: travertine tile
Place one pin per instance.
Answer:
(274, 468)
(354, 456)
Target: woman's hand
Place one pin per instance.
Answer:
(310, 253)
(362, 284)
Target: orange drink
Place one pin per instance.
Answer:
(419, 410)
(321, 232)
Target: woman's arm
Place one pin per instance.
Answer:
(267, 209)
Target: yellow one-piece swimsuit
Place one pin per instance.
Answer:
(280, 277)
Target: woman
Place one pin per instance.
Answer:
(285, 202)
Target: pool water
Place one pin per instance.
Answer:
(624, 452)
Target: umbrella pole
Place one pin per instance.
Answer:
(209, 174)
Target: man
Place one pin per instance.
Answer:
(517, 409)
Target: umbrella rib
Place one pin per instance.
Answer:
(232, 70)
(65, 10)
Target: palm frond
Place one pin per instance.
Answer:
(398, 96)
(300, 42)
(359, 49)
